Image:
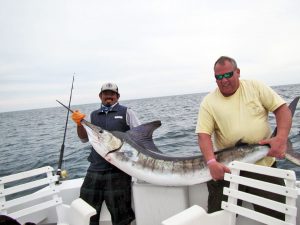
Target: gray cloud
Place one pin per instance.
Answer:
(150, 48)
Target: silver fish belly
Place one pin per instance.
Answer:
(142, 160)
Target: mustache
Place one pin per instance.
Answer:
(108, 101)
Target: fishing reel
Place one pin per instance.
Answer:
(63, 174)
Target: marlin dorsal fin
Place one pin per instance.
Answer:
(145, 130)
(142, 134)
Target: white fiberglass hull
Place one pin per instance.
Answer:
(152, 203)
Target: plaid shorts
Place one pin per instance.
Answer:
(113, 187)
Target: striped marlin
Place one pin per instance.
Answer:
(135, 153)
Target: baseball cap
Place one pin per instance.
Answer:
(110, 87)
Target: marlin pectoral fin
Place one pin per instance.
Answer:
(112, 151)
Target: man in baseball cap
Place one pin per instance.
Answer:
(104, 181)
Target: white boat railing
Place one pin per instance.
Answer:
(196, 215)
(29, 193)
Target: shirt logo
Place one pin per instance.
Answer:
(118, 117)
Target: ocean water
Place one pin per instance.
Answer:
(33, 138)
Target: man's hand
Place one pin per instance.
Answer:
(217, 170)
(77, 117)
(278, 146)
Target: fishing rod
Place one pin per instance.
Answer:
(62, 149)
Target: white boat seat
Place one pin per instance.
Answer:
(196, 215)
(27, 196)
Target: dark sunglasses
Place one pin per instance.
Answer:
(225, 75)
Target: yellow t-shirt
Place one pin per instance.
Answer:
(240, 117)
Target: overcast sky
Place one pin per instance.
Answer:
(148, 47)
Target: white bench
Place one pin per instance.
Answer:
(196, 215)
(27, 196)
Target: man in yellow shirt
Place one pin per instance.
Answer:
(238, 111)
